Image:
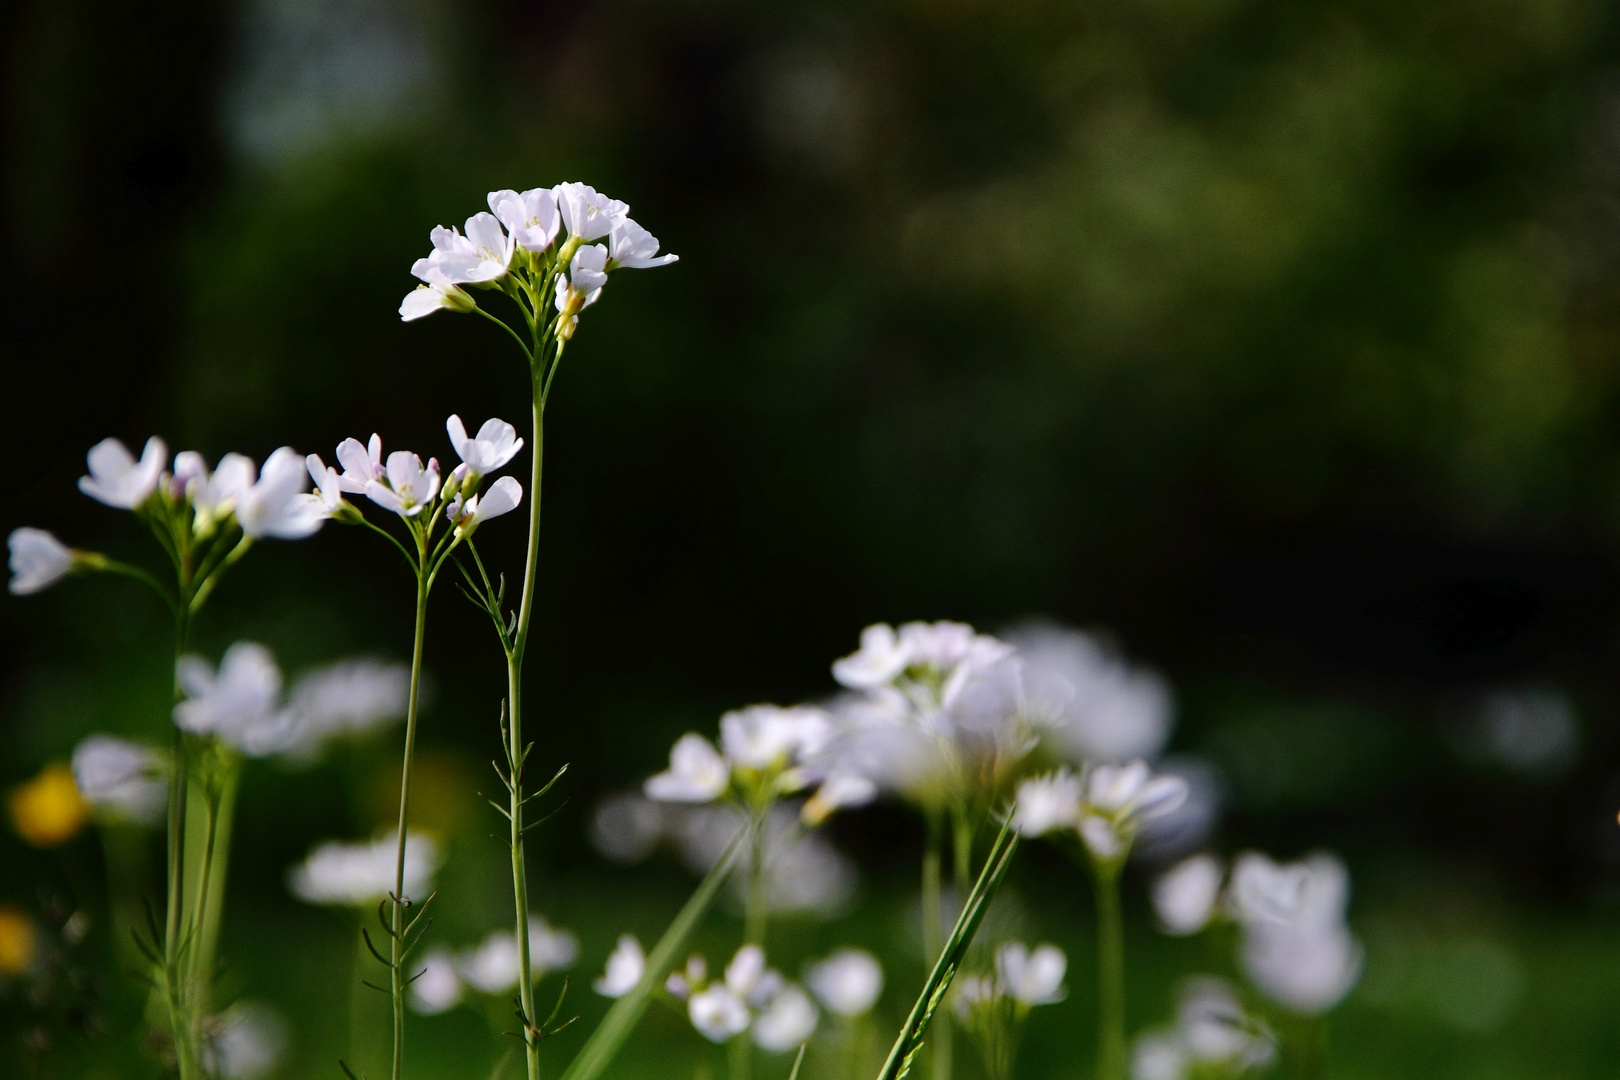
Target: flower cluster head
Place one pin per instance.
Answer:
(1107, 805)
(749, 997)
(121, 780)
(526, 238)
(765, 751)
(1023, 979)
(1212, 1036)
(1296, 946)
(338, 874)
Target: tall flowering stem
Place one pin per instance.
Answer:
(1110, 972)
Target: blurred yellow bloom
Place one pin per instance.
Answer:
(16, 941)
(47, 810)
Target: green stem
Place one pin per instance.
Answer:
(396, 946)
(184, 1045)
(933, 934)
(1110, 974)
(755, 915)
(211, 881)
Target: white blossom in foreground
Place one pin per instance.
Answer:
(1212, 1036)
(786, 1021)
(273, 505)
(587, 273)
(1031, 977)
(632, 247)
(359, 875)
(327, 499)
(626, 964)
(503, 496)
(38, 560)
(121, 779)
(424, 300)
(214, 495)
(438, 987)
(1094, 706)
(244, 1042)
(846, 983)
(362, 463)
(117, 479)
(406, 487)
(1118, 800)
(493, 965)
(238, 704)
(587, 213)
(1185, 895)
(483, 255)
(1307, 960)
(496, 443)
(697, 773)
(532, 217)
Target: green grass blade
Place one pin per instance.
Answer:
(599, 1050)
(950, 958)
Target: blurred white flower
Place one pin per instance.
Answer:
(631, 246)
(1531, 730)
(492, 966)
(748, 977)
(349, 697)
(1097, 707)
(361, 464)
(626, 827)
(842, 787)
(244, 1042)
(1306, 960)
(1118, 799)
(878, 662)
(1212, 1036)
(117, 479)
(847, 983)
(1189, 826)
(681, 983)
(496, 443)
(360, 874)
(718, 1014)
(1031, 978)
(586, 212)
(406, 487)
(968, 992)
(38, 560)
(327, 498)
(239, 703)
(697, 773)
(625, 967)
(773, 738)
(1048, 802)
(531, 217)
(483, 255)
(123, 779)
(1158, 1056)
(424, 300)
(804, 873)
(787, 1021)
(1263, 890)
(1184, 895)
(271, 506)
(438, 988)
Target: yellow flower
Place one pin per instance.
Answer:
(47, 810)
(16, 941)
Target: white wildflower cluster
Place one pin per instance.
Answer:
(1106, 805)
(765, 751)
(1023, 978)
(122, 780)
(571, 233)
(750, 997)
(489, 967)
(1212, 1037)
(1296, 946)
(338, 874)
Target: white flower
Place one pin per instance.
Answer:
(1158, 1056)
(749, 978)
(1184, 895)
(424, 300)
(697, 773)
(1096, 707)
(190, 472)
(1305, 957)
(328, 496)
(1118, 799)
(717, 1013)
(484, 254)
(587, 271)
(532, 217)
(345, 698)
(1212, 1036)
(1264, 891)
(786, 1022)
(586, 212)
(627, 826)
(841, 787)
(361, 464)
(359, 875)
(769, 737)
(239, 703)
(117, 479)
(408, 487)
(437, 988)
(848, 982)
(971, 991)
(878, 662)
(214, 495)
(1031, 978)
(244, 1042)
(1049, 802)
(625, 967)
(124, 779)
(804, 873)
(272, 507)
(631, 246)
(38, 560)
(503, 497)
(495, 444)
(680, 983)
(493, 966)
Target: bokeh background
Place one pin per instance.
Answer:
(1279, 339)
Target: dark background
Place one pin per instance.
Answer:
(1277, 338)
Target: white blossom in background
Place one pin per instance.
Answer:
(786, 1021)
(406, 486)
(350, 696)
(117, 478)
(627, 827)
(239, 704)
(846, 983)
(121, 779)
(1107, 805)
(532, 217)
(626, 964)
(632, 247)
(38, 560)
(718, 1014)
(804, 873)
(587, 213)
(1263, 890)
(1190, 826)
(359, 875)
(244, 1042)
(1094, 705)
(1047, 803)
(1031, 977)
(496, 443)
(438, 987)
(493, 965)
(1212, 1036)
(696, 774)
(1185, 896)
(681, 984)
(1307, 960)
(1532, 730)
(213, 495)
(273, 505)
